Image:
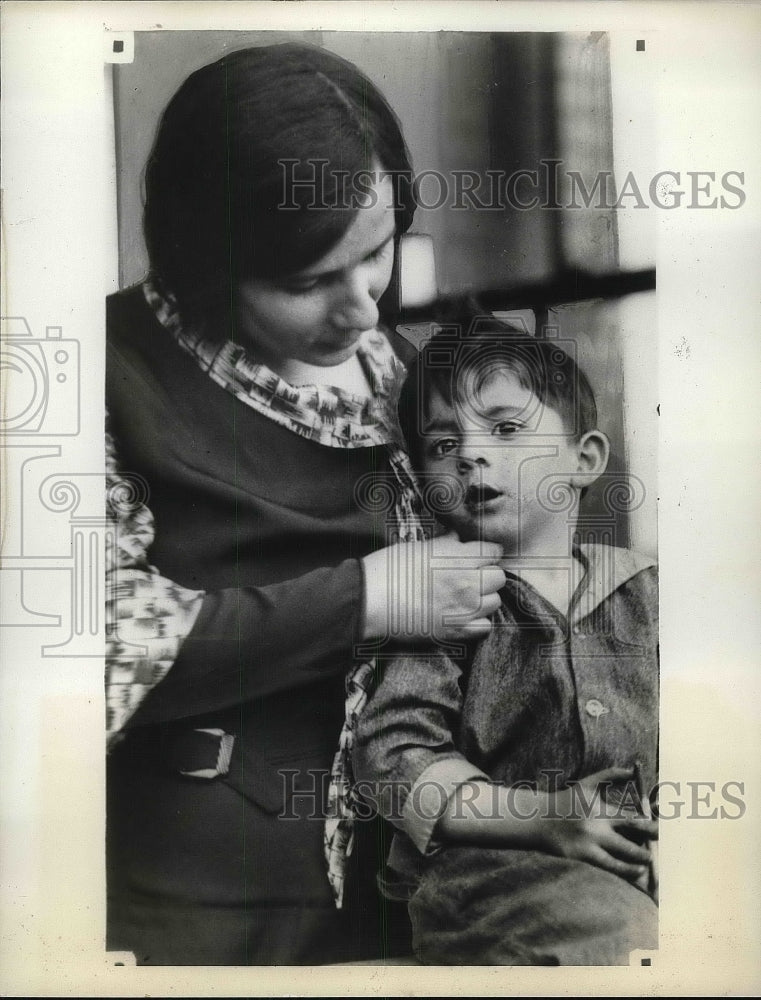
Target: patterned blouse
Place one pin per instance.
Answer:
(143, 608)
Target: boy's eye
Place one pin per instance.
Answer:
(444, 446)
(506, 427)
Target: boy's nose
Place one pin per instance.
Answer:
(470, 460)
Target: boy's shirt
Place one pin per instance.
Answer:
(542, 694)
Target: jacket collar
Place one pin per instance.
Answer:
(607, 569)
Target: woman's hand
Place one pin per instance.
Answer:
(439, 589)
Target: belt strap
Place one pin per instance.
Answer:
(195, 753)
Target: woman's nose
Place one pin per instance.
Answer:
(356, 308)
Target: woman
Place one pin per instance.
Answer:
(250, 392)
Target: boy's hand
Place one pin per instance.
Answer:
(579, 823)
(575, 823)
(442, 588)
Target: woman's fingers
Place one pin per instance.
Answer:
(490, 603)
(482, 553)
(476, 629)
(483, 599)
(465, 619)
(492, 579)
(448, 549)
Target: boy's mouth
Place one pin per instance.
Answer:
(481, 498)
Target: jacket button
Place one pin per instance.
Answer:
(595, 708)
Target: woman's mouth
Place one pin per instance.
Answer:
(482, 499)
(341, 340)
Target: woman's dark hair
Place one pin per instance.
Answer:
(230, 143)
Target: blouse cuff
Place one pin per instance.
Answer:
(429, 796)
(147, 619)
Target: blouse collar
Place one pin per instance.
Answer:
(327, 414)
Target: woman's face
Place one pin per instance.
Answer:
(318, 315)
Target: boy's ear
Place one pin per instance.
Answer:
(592, 452)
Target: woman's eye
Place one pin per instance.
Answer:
(381, 251)
(444, 447)
(505, 428)
(301, 287)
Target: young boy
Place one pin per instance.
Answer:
(510, 773)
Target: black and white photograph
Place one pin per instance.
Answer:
(369, 470)
(288, 224)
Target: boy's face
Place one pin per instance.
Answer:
(513, 457)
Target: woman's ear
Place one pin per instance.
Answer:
(592, 452)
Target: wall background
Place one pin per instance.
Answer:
(466, 100)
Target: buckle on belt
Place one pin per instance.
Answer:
(224, 751)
